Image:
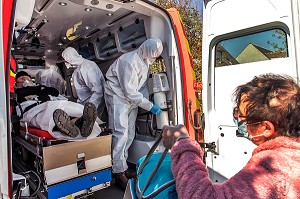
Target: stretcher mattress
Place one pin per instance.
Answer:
(38, 132)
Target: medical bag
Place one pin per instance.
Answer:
(154, 176)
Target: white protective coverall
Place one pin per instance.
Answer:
(125, 77)
(88, 79)
(51, 78)
(41, 116)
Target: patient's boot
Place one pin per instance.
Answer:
(121, 180)
(63, 123)
(86, 122)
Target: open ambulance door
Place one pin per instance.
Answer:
(190, 85)
(241, 39)
(6, 21)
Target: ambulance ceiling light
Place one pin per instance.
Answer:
(87, 9)
(62, 3)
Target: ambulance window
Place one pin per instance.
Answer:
(133, 35)
(260, 46)
(87, 51)
(106, 46)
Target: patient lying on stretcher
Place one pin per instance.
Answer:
(42, 107)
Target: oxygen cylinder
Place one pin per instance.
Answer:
(160, 100)
(160, 86)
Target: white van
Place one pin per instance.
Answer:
(242, 39)
(34, 33)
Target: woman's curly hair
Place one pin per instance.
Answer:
(274, 98)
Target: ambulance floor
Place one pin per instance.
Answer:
(111, 192)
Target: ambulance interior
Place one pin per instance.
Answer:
(101, 31)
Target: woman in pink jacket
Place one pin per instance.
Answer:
(267, 113)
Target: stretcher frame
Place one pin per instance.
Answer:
(81, 185)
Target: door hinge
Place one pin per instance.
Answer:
(211, 147)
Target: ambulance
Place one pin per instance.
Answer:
(34, 33)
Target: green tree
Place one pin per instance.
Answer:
(280, 42)
(192, 21)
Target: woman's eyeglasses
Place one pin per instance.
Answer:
(236, 117)
(236, 114)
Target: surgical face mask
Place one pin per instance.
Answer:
(242, 127)
(28, 83)
(255, 136)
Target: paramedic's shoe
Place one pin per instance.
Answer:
(63, 123)
(121, 180)
(130, 173)
(86, 122)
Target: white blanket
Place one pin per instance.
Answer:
(41, 116)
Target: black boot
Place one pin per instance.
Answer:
(130, 173)
(121, 180)
(86, 122)
(63, 123)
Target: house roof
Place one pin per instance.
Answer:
(268, 53)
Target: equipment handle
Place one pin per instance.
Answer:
(145, 161)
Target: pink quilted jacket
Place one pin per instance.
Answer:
(272, 172)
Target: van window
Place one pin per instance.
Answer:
(87, 51)
(260, 46)
(106, 46)
(133, 35)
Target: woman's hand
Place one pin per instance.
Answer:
(171, 134)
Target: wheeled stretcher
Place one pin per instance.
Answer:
(65, 169)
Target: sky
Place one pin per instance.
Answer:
(199, 5)
(236, 45)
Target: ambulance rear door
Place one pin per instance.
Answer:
(6, 23)
(241, 39)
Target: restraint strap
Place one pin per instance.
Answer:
(31, 106)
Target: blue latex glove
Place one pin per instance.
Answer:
(155, 109)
